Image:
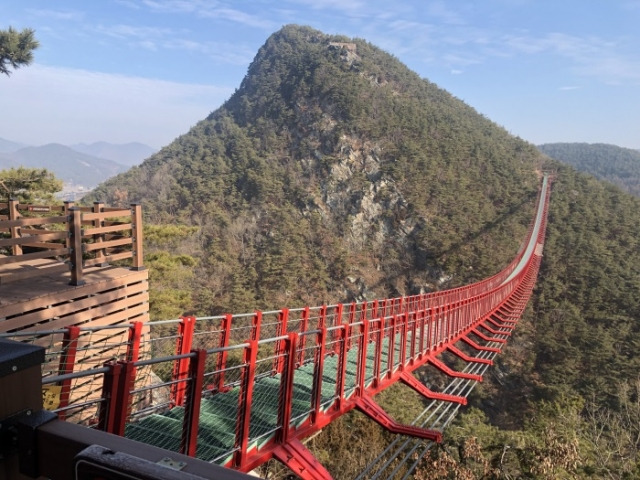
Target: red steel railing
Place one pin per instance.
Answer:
(351, 351)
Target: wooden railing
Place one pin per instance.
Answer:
(43, 239)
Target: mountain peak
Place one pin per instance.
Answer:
(331, 138)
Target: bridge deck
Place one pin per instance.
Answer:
(240, 389)
(219, 411)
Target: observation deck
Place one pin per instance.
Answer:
(67, 266)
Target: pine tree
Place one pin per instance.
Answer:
(16, 48)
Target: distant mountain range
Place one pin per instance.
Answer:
(81, 165)
(127, 154)
(7, 146)
(620, 166)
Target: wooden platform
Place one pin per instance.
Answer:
(59, 289)
(48, 302)
(111, 296)
(44, 305)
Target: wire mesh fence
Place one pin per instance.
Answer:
(261, 376)
(398, 330)
(271, 360)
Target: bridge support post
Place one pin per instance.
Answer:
(453, 373)
(412, 382)
(509, 327)
(487, 338)
(106, 412)
(181, 366)
(362, 356)
(392, 345)
(460, 354)
(281, 330)
(67, 364)
(301, 461)
(191, 419)
(404, 334)
(372, 410)
(480, 348)
(245, 400)
(225, 329)
(342, 365)
(256, 325)
(123, 397)
(303, 338)
(377, 360)
(509, 323)
(285, 400)
(316, 392)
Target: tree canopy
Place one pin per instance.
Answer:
(620, 166)
(29, 185)
(16, 48)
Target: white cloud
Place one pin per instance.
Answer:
(180, 6)
(154, 39)
(461, 60)
(238, 16)
(232, 54)
(441, 11)
(342, 5)
(589, 56)
(44, 104)
(72, 15)
(139, 32)
(209, 9)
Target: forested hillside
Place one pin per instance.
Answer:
(334, 173)
(620, 166)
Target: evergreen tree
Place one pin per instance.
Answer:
(29, 185)
(16, 48)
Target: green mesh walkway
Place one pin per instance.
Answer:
(219, 412)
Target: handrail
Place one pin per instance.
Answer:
(350, 352)
(62, 237)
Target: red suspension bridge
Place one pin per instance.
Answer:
(239, 390)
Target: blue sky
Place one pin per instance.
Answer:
(148, 70)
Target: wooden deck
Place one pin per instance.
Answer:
(56, 266)
(41, 309)
(109, 296)
(57, 273)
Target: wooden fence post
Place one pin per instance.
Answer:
(101, 257)
(136, 220)
(75, 233)
(68, 205)
(15, 231)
